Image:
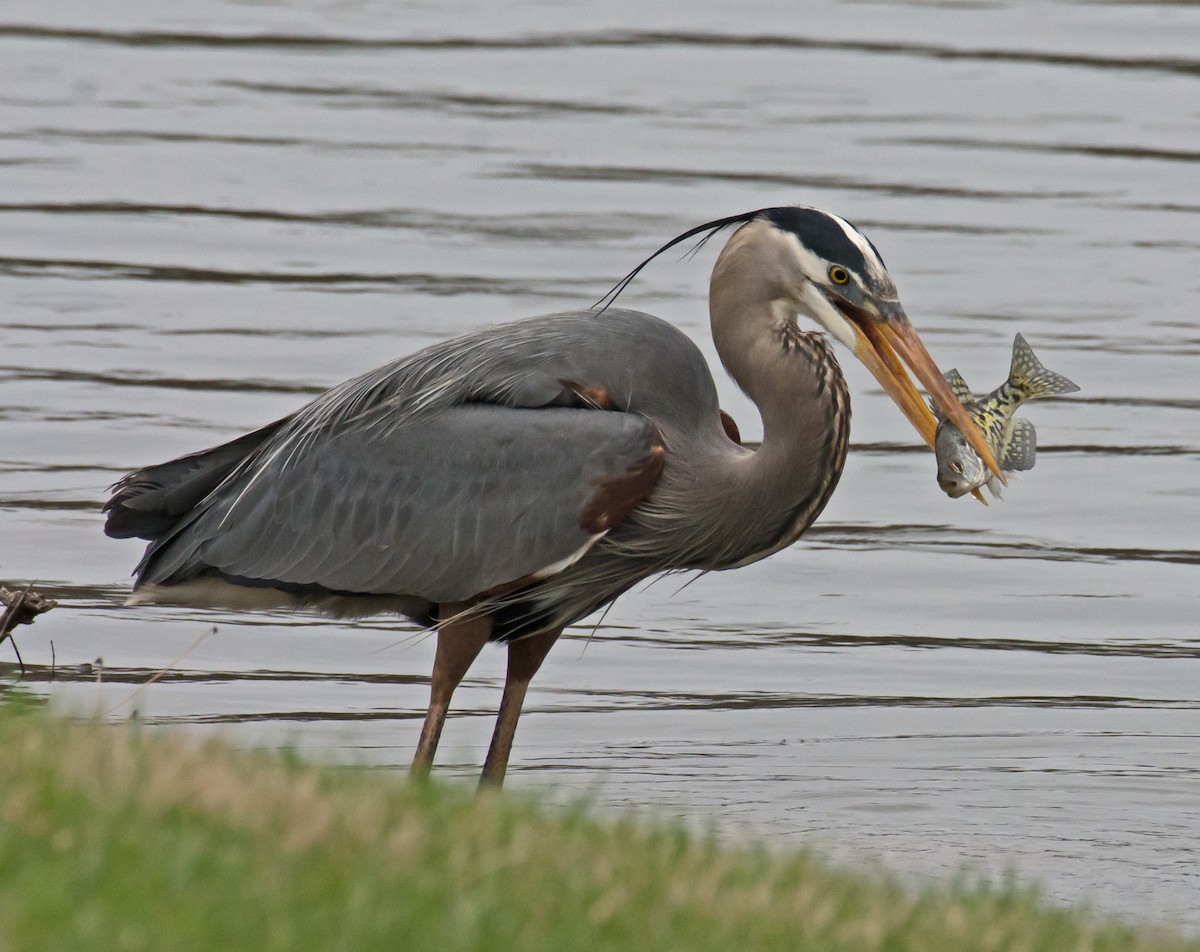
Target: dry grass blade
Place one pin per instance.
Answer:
(170, 665)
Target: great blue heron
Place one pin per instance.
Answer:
(510, 481)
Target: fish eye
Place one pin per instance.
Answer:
(956, 467)
(839, 275)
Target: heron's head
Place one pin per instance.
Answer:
(798, 260)
(829, 271)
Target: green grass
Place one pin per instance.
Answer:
(114, 838)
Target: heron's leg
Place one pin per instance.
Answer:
(459, 643)
(524, 658)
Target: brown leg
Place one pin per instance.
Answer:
(524, 659)
(459, 643)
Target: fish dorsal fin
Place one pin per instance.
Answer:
(1022, 446)
(959, 388)
(1034, 380)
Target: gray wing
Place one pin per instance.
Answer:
(149, 502)
(478, 461)
(447, 506)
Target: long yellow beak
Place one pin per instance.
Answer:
(884, 347)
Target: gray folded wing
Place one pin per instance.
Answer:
(444, 507)
(147, 503)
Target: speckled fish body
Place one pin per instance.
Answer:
(1011, 439)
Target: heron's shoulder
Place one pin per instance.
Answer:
(526, 362)
(627, 326)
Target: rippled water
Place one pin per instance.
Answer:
(209, 213)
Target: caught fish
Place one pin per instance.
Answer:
(1012, 440)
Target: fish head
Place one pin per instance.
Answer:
(959, 468)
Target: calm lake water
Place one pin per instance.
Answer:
(213, 211)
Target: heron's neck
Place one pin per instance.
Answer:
(796, 383)
(802, 398)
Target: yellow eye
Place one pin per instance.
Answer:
(839, 275)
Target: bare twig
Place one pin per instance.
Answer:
(15, 602)
(21, 608)
(20, 660)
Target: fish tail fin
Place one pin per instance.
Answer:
(1030, 376)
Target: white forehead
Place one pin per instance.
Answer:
(859, 240)
(822, 238)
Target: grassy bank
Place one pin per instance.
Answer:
(112, 838)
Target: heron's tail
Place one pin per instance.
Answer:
(149, 502)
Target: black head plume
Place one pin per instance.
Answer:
(827, 235)
(708, 229)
